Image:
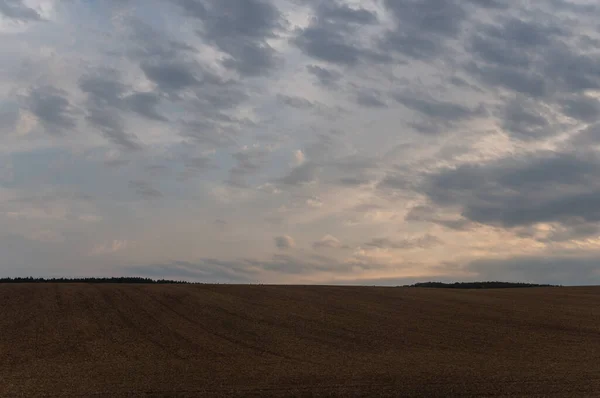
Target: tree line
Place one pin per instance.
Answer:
(478, 285)
(133, 279)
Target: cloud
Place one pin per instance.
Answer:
(421, 242)
(422, 26)
(52, 108)
(145, 104)
(370, 99)
(239, 28)
(329, 36)
(15, 9)
(205, 270)
(104, 107)
(302, 174)
(110, 248)
(438, 110)
(384, 124)
(325, 76)
(284, 242)
(328, 242)
(552, 269)
(144, 189)
(541, 187)
(525, 119)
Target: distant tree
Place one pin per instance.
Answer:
(132, 279)
(478, 285)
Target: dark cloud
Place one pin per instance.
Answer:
(421, 242)
(200, 163)
(527, 82)
(240, 29)
(370, 99)
(514, 43)
(587, 137)
(52, 107)
(284, 242)
(553, 269)
(581, 107)
(107, 102)
(204, 270)
(573, 229)
(396, 181)
(423, 26)
(145, 105)
(331, 35)
(429, 214)
(248, 162)
(492, 4)
(9, 116)
(111, 124)
(329, 242)
(15, 9)
(541, 187)
(303, 174)
(170, 76)
(144, 189)
(209, 133)
(104, 87)
(154, 45)
(525, 119)
(442, 111)
(354, 170)
(325, 76)
(295, 102)
(534, 56)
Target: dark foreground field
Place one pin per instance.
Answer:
(195, 340)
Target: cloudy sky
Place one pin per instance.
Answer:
(301, 141)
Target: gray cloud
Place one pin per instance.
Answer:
(437, 109)
(325, 76)
(15, 9)
(284, 242)
(155, 45)
(104, 107)
(543, 187)
(295, 102)
(429, 214)
(248, 162)
(329, 242)
(421, 242)
(581, 107)
(423, 26)
(524, 119)
(145, 104)
(52, 108)
(205, 271)
(370, 99)
(329, 37)
(170, 76)
(240, 29)
(145, 189)
(303, 174)
(553, 269)
(111, 124)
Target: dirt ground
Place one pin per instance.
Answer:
(227, 340)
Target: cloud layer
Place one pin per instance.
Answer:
(301, 141)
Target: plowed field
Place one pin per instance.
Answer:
(226, 340)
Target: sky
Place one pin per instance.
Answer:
(375, 142)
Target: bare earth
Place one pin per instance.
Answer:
(226, 340)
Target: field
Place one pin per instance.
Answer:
(227, 340)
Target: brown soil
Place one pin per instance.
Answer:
(226, 340)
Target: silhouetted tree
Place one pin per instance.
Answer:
(477, 285)
(132, 279)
